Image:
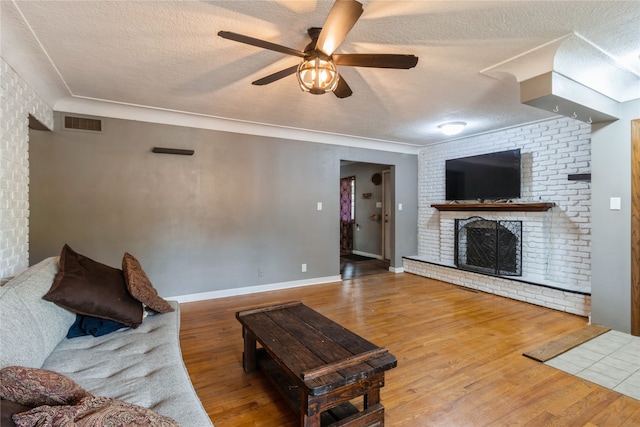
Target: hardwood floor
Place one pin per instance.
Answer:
(350, 269)
(459, 357)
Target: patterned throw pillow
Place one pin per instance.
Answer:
(94, 411)
(35, 387)
(140, 286)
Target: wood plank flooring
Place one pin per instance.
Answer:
(556, 347)
(351, 269)
(459, 353)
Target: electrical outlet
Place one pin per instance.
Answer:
(304, 268)
(260, 272)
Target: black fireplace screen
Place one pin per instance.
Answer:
(487, 246)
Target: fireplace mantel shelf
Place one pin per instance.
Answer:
(496, 207)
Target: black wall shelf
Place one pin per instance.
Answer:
(179, 151)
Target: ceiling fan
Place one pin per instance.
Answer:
(317, 73)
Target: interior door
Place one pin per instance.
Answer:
(386, 210)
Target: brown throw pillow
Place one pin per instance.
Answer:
(8, 409)
(94, 411)
(85, 286)
(140, 286)
(35, 387)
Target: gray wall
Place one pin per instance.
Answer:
(240, 212)
(367, 234)
(611, 229)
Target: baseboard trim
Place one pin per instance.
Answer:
(223, 293)
(367, 254)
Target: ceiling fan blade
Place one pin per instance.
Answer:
(260, 43)
(276, 76)
(376, 60)
(342, 90)
(341, 19)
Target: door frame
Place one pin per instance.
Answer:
(386, 214)
(635, 227)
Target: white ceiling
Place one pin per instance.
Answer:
(166, 55)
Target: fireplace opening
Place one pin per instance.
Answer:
(488, 246)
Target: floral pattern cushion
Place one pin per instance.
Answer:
(93, 411)
(140, 286)
(35, 387)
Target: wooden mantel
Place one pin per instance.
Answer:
(496, 207)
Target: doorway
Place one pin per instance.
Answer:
(366, 200)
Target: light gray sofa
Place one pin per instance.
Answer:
(142, 366)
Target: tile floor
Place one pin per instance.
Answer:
(611, 360)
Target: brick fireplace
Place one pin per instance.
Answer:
(555, 244)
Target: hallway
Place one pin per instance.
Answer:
(351, 268)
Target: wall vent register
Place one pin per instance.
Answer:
(82, 123)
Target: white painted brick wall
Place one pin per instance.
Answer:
(557, 243)
(17, 101)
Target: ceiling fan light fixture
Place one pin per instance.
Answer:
(452, 128)
(317, 76)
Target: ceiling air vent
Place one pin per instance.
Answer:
(82, 123)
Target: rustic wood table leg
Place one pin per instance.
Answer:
(371, 398)
(310, 420)
(249, 355)
(305, 419)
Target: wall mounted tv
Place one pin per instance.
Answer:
(490, 176)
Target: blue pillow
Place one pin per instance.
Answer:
(88, 325)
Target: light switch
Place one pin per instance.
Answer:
(615, 203)
(399, 206)
(319, 206)
(378, 204)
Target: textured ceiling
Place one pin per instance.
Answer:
(166, 55)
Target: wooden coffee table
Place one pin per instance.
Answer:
(318, 365)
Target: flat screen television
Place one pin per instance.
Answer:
(490, 176)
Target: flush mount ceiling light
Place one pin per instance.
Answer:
(452, 128)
